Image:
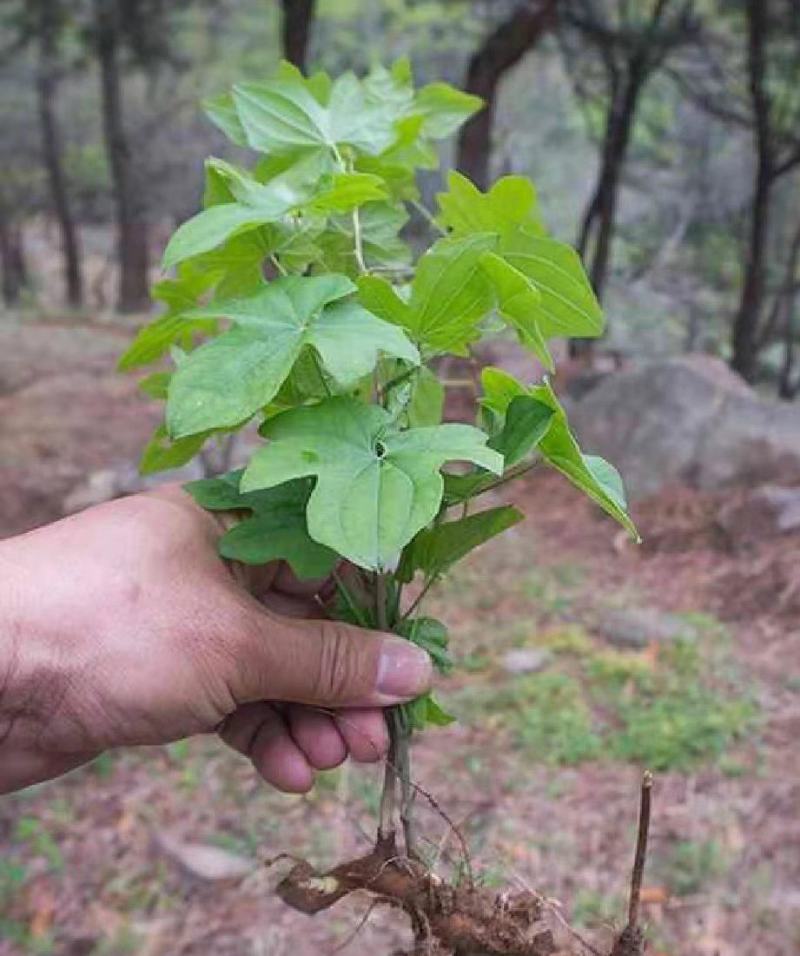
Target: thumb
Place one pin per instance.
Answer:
(325, 663)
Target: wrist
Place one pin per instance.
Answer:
(23, 660)
(10, 640)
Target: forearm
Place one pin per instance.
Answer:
(15, 692)
(10, 641)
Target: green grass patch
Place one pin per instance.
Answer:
(571, 640)
(691, 866)
(680, 729)
(674, 710)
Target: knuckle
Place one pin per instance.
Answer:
(338, 671)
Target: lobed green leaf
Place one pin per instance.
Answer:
(228, 379)
(595, 477)
(161, 454)
(519, 302)
(276, 529)
(568, 305)
(377, 486)
(511, 202)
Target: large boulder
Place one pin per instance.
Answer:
(688, 420)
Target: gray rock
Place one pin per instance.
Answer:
(211, 864)
(688, 420)
(637, 627)
(784, 503)
(525, 660)
(765, 512)
(122, 479)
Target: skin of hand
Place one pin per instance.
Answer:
(122, 626)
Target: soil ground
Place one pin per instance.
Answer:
(541, 772)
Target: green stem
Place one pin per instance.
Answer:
(353, 607)
(420, 597)
(427, 215)
(389, 792)
(358, 244)
(358, 241)
(516, 472)
(399, 379)
(403, 734)
(380, 602)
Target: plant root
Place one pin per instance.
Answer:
(463, 920)
(629, 943)
(447, 920)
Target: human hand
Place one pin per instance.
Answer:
(122, 626)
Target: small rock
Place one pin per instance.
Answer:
(638, 627)
(100, 486)
(766, 512)
(525, 660)
(729, 436)
(211, 864)
(122, 479)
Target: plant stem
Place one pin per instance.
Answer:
(641, 850)
(420, 597)
(406, 791)
(515, 472)
(388, 794)
(358, 244)
(381, 617)
(399, 379)
(355, 610)
(426, 214)
(358, 241)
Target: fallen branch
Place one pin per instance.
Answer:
(631, 940)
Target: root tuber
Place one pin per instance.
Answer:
(447, 920)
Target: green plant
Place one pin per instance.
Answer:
(297, 302)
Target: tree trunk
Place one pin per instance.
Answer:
(789, 384)
(501, 50)
(131, 222)
(12, 261)
(745, 326)
(51, 150)
(298, 15)
(599, 219)
(600, 216)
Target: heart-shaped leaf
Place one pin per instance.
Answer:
(376, 486)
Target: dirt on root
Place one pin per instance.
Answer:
(463, 920)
